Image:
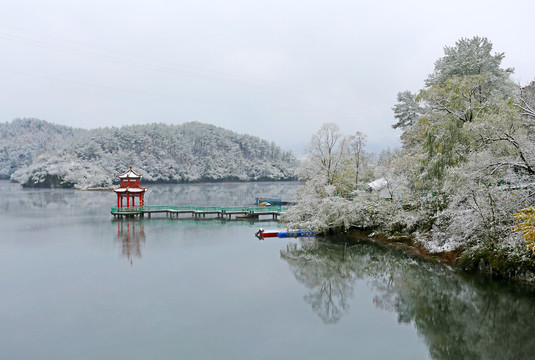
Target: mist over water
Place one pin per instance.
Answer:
(77, 284)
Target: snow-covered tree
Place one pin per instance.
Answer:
(336, 159)
(407, 110)
(357, 143)
(526, 101)
(327, 149)
(470, 56)
(476, 157)
(468, 85)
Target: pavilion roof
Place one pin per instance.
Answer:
(130, 189)
(130, 174)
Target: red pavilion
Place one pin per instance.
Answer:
(130, 190)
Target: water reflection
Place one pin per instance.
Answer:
(131, 235)
(219, 194)
(324, 270)
(17, 199)
(95, 202)
(459, 316)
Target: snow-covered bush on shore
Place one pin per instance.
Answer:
(319, 208)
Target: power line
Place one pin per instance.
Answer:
(205, 74)
(75, 82)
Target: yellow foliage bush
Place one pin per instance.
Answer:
(526, 225)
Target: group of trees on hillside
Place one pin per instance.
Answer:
(54, 156)
(22, 140)
(466, 165)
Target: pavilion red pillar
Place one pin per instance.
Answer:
(127, 200)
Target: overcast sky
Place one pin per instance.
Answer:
(275, 69)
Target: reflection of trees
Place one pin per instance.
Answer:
(131, 234)
(322, 269)
(459, 316)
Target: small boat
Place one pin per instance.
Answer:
(269, 201)
(261, 233)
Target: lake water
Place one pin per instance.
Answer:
(77, 284)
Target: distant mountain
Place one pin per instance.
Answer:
(39, 154)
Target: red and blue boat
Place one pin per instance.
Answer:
(261, 233)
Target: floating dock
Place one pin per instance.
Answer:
(202, 212)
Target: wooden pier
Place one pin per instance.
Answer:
(202, 212)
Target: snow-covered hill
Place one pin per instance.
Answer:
(39, 154)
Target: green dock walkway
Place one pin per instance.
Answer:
(197, 212)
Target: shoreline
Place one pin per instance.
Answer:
(149, 183)
(406, 243)
(451, 258)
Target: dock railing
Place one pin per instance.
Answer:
(221, 210)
